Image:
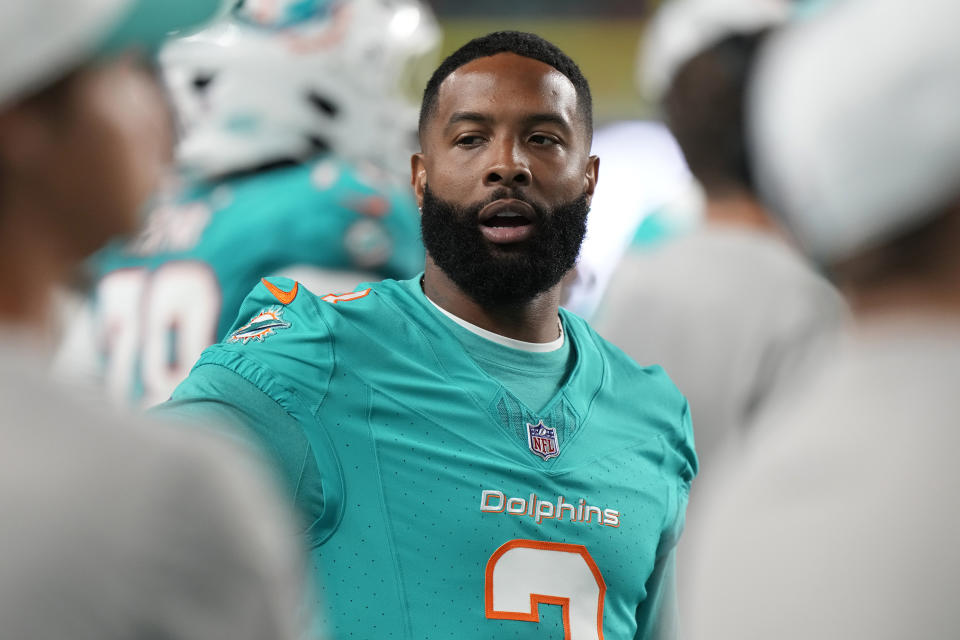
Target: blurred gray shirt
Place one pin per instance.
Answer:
(734, 316)
(731, 314)
(114, 528)
(840, 519)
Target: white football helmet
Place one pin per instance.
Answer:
(682, 29)
(283, 79)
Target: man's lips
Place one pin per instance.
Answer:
(506, 221)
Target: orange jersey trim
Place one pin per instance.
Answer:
(536, 598)
(334, 298)
(285, 297)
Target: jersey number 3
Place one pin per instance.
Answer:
(523, 574)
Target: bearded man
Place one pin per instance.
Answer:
(463, 451)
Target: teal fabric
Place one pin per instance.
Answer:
(810, 8)
(656, 229)
(533, 378)
(325, 214)
(146, 24)
(421, 494)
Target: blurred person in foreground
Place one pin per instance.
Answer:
(731, 310)
(469, 455)
(298, 125)
(840, 522)
(108, 529)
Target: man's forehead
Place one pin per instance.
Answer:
(503, 79)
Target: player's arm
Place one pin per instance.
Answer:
(254, 390)
(658, 615)
(220, 398)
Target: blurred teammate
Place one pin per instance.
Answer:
(841, 520)
(467, 454)
(296, 116)
(108, 530)
(731, 308)
(731, 311)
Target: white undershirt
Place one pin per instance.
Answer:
(534, 347)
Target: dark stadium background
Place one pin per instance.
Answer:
(601, 35)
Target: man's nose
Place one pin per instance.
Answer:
(508, 167)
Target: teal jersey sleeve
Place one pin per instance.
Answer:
(260, 421)
(234, 386)
(659, 617)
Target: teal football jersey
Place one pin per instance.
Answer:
(175, 289)
(436, 504)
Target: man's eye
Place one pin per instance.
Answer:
(540, 139)
(469, 141)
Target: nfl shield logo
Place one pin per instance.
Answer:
(542, 440)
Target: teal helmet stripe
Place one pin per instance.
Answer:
(146, 24)
(291, 13)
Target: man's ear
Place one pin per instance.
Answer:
(418, 176)
(590, 177)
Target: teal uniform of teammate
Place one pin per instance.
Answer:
(176, 288)
(428, 513)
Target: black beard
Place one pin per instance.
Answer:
(502, 275)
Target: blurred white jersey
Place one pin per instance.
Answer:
(641, 169)
(841, 522)
(111, 531)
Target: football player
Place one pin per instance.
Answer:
(470, 460)
(294, 115)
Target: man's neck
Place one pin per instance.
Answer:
(937, 297)
(532, 321)
(922, 277)
(738, 208)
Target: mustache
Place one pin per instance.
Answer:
(504, 193)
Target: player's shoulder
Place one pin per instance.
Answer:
(628, 387)
(328, 189)
(283, 307)
(286, 336)
(279, 329)
(357, 188)
(326, 180)
(276, 306)
(645, 394)
(622, 370)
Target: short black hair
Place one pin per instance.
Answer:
(524, 44)
(705, 110)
